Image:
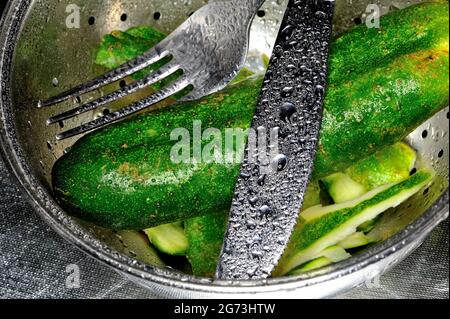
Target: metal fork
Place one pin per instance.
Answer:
(210, 48)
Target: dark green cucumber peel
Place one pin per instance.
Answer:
(205, 236)
(309, 237)
(104, 178)
(390, 165)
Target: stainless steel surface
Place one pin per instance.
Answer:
(34, 33)
(210, 47)
(274, 176)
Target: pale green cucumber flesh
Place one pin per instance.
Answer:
(342, 188)
(356, 240)
(333, 254)
(169, 239)
(312, 265)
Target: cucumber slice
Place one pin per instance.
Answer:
(342, 188)
(169, 239)
(390, 165)
(320, 211)
(330, 255)
(356, 240)
(335, 254)
(340, 221)
(312, 265)
(369, 225)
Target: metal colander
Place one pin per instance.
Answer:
(41, 56)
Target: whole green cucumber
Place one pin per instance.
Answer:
(123, 177)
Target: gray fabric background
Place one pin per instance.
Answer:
(33, 261)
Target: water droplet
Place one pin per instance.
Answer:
(253, 200)
(288, 90)
(279, 162)
(287, 110)
(262, 180)
(265, 209)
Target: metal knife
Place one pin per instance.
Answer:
(279, 157)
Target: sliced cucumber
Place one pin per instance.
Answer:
(330, 255)
(169, 239)
(390, 165)
(342, 188)
(340, 221)
(369, 225)
(320, 211)
(356, 240)
(335, 254)
(312, 265)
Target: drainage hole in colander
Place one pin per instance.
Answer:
(49, 145)
(55, 82)
(157, 15)
(106, 112)
(425, 134)
(123, 83)
(123, 17)
(357, 20)
(91, 20)
(261, 13)
(61, 124)
(426, 191)
(413, 171)
(441, 153)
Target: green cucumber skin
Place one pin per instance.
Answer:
(101, 179)
(390, 165)
(426, 25)
(205, 235)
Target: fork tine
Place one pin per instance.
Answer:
(156, 76)
(120, 72)
(179, 85)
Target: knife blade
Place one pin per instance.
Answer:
(279, 157)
